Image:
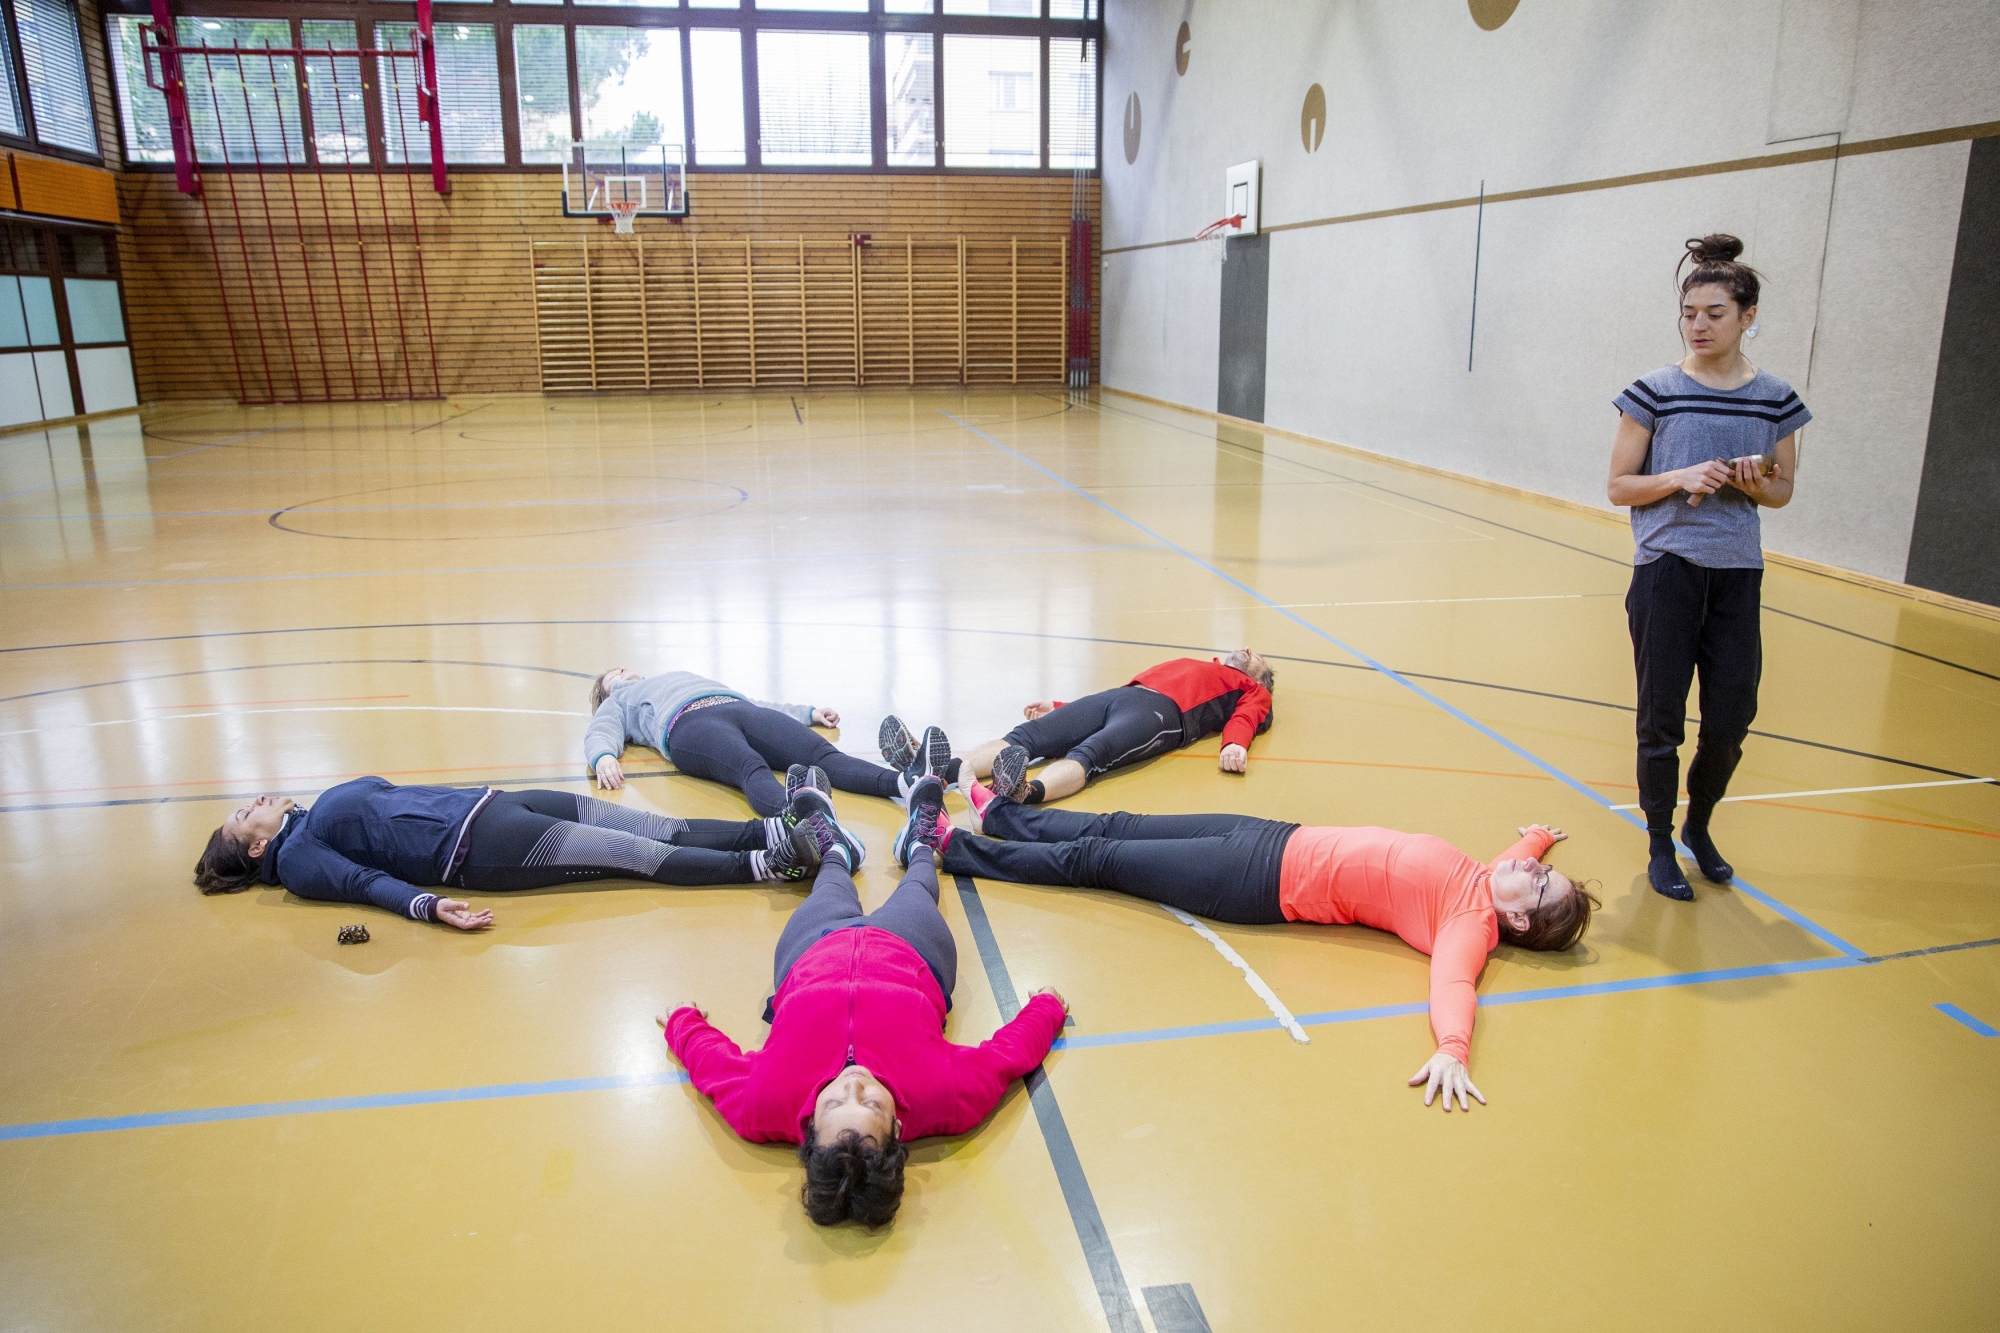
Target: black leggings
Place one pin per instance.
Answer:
(1686, 617)
(911, 915)
(740, 743)
(1106, 730)
(535, 839)
(1224, 867)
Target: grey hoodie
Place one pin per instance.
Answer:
(641, 711)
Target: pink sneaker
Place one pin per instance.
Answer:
(981, 796)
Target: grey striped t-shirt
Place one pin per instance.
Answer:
(1692, 423)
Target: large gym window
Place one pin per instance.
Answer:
(780, 85)
(44, 89)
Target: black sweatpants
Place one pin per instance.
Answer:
(1223, 867)
(535, 839)
(740, 743)
(1687, 619)
(911, 915)
(1106, 730)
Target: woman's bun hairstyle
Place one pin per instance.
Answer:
(226, 865)
(1714, 260)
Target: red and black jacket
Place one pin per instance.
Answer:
(1212, 697)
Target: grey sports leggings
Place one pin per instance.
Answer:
(911, 915)
(535, 839)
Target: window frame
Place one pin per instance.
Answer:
(502, 15)
(29, 140)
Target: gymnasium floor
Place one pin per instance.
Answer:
(1749, 1113)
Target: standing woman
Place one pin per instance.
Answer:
(1701, 445)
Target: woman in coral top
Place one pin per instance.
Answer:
(1260, 872)
(857, 1063)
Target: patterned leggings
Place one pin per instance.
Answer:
(535, 839)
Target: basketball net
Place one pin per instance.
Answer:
(1219, 227)
(623, 211)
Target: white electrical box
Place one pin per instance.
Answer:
(1244, 186)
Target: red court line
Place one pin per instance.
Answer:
(245, 703)
(1879, 819)
(1413, 768)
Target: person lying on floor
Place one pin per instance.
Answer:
(710, 731)
(1260, 871)
(856, 1065)
(371, 841)
(1167, 707)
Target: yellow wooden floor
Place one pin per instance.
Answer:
(1734, 1115)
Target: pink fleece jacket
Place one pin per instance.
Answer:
(860, 996)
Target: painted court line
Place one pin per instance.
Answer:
(1842, 791)
(1004, 995)
(1952, 1011)
(1257, 983)
(254, 712)
(1796, 917)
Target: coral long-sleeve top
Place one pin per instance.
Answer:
(1438, 899)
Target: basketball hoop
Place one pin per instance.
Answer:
(623, 211)
(1220, 227)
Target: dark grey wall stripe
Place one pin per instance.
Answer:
(1953, 548)
(1246, 307)
(1112, 1289)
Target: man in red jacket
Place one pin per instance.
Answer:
(857, 1063)
(1167, 707)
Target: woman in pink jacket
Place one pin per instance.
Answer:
(857, 1064)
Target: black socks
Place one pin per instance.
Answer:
(1710, 860)
(1033, 792)
(1663, 869)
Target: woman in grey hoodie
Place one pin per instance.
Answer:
(710, 731)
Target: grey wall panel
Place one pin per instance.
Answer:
(1246, 311)
(1955, 546)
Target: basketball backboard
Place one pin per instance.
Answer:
(598, 175)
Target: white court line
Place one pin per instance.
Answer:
(251, 712)
(1416, 601)
(1841, 791)
(1264, 992)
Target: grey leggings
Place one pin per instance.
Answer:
(911, 915)
(537, 839)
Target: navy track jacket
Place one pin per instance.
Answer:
(371, 841)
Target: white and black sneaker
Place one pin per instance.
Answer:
(928, 824)
(899, 747)
(932, 759)
(800, 776)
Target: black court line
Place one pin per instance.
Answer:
(442, 420)
(1175, 1309)
(1112, 1289)
(941, 629)
(1218, 440)
(317, 788)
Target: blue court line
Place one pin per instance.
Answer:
(204, 1115)
(1004, 996)
(1953, 1011)
(816, 555)
(1796, 917)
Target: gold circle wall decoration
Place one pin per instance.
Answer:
(1132, 128)
(1490, 14)
(1312, 119)
(1181, 40)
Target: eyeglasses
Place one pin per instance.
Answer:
(1541, 882)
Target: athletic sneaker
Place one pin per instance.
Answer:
(931, 760)
(1010, 767)
(832, 842)
(810, 803)
(928, 826)
(899, 747)
(979, 796)
(795, 858)
(800, 776)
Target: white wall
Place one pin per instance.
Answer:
(1369, 319)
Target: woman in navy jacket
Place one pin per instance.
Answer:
(371, 841)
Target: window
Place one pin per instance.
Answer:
(10, 105)
(468, 73)
(992, 101)
(45, 375)
(911, 70)
(812, 99)
(242, 109)
(541, 82)
(982, 85)
(630, 81)
(1072, 102)
(716, 57)
(58, 88)
(333, 85)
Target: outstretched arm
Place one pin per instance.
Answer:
(314, 870)
(805, 713)
(603, 742)
(1253, 705)
(1457, 955)
(1536, 839)
(987, 1069)
(717, 1066)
